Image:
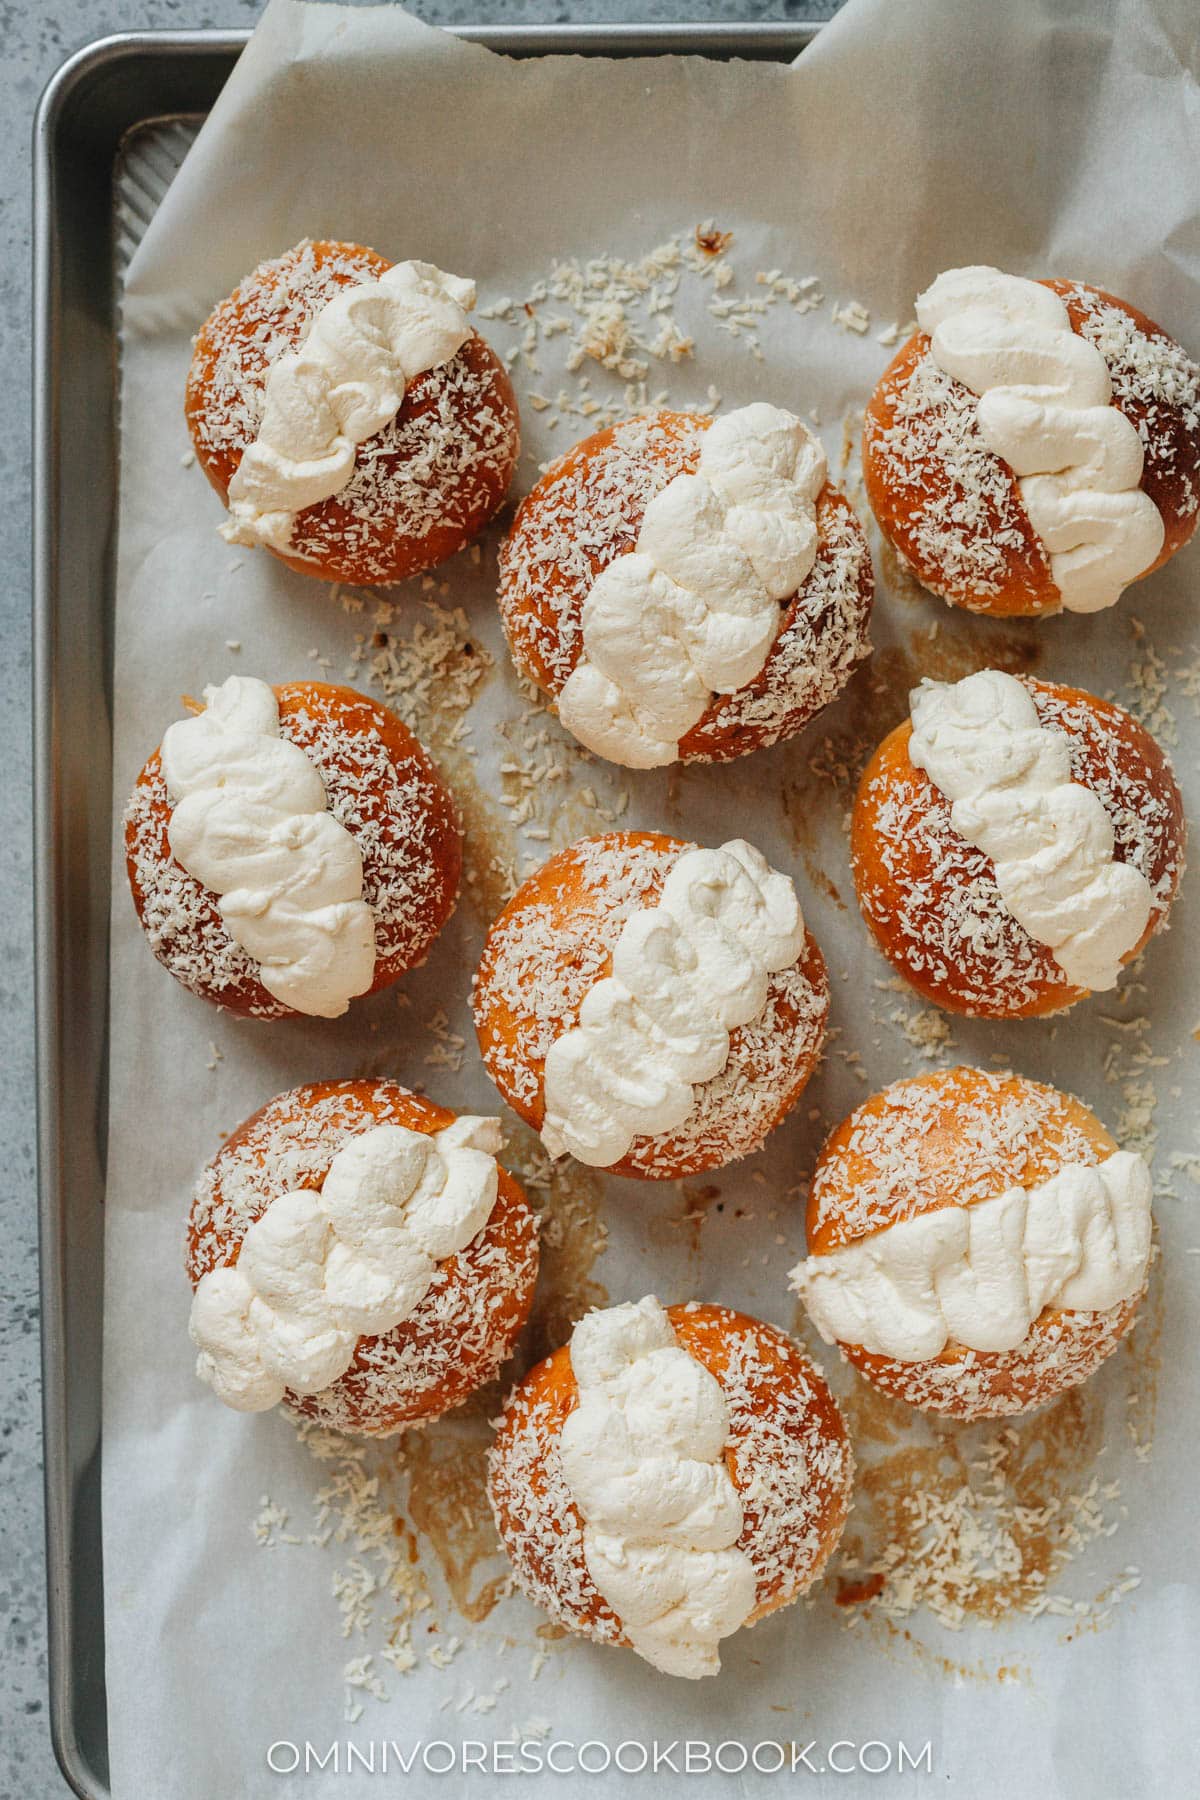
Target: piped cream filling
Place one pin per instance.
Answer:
(693, 610)
(982, 1275)
(685, 972)
(1008, 780)
(250, 822)
(1045, 408)
(321, 1268)
(643, 1455)
(347, 381)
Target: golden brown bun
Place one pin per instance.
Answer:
(554, 941)
(930, 897)
(954, 1138)
(380, 785)
(953, 509)
(795, 1505)
(468, 1321)
(422, 487)
(587, 510)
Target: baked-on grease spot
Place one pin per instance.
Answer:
(697, 1200)
(993, 1497)
(854, 1593)
(819, 878)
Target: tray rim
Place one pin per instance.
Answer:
(71, 1066)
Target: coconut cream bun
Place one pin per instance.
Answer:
(1015, 843)
(977, 1243)
(1035, 447)
(649, 1006)
(669, 1476)
(358, 1254)
(687, 590)
(348, 415)
(289, 848)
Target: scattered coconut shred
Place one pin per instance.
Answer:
(379, 1584)
(393, 1511)
(621, 316)
(971, 1525)
(976, 1536)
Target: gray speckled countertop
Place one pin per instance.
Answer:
(36, 40)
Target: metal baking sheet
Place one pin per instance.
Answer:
(112, 129)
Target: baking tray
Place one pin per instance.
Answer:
(110, 132)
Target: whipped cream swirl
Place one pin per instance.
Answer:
(1008, 779)
(693, 609)
(345, 382)
(981, 1275)
(320, 1269)
(685, 972)
(1045, 408)
(250, 823)
(643, 1455)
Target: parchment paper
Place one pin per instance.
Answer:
(1043, 138)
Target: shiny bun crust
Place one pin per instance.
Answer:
(422, 488)
(554, 941)
(954, 1138)
(379, 784)
(788, 1455)
(463, 1329)
(952, 508)
(587, 510)
(930, 897)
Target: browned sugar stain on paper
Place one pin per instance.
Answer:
(448, 1505)
(447, 1473)
(573, 1237)
(1141, 1352)
(1025, 1485)
(445, 1463)
(898, 578)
